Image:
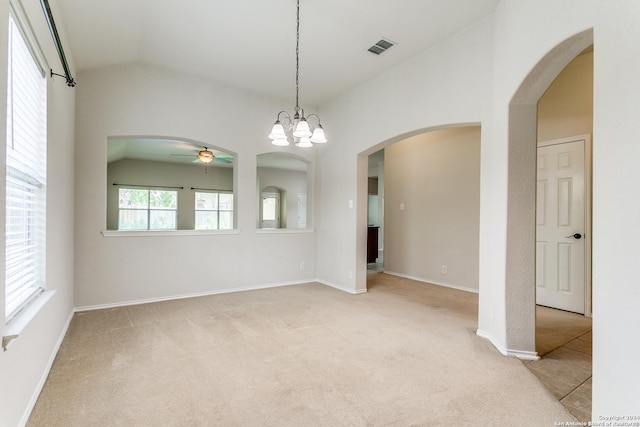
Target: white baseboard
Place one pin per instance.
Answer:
(45, 374)
(341, 288)
(432, 282)
(523, 355)
(192, 295)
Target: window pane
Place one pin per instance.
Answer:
(162, 220)
(132, 219)
(206, 201)
(269, 209)
(25, 174)
(226, 220)
(226, 202)
(132, 198)
(206, 220)
(163, 199)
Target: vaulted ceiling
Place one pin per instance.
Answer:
(250, 44)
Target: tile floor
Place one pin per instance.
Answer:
(563, 341)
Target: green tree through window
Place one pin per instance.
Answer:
(146, 209)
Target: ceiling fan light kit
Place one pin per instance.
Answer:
(205, 156)
(297, 124)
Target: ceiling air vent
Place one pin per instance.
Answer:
(382, 46)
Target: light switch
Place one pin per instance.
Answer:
(401, 206)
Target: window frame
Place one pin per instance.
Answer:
(25, 178)
(217, 210)
(148, 209)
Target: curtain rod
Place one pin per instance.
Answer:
(71, 82)
(211, 189)
(148, 186)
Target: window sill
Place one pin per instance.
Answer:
(158, 233)
(284, 230)
(14, 328)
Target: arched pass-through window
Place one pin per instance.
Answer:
(284, 187)
(156, 183)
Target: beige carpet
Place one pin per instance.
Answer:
(403, 354)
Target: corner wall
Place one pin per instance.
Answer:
(24, 366)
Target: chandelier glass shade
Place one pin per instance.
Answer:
(297, 125)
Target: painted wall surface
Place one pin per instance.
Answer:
(435, 176)
(291, 183)
(446, 85)
(24, 366)
(141, 172)
(616, 209)
(524, 33)
(141, 100)
(566, 108)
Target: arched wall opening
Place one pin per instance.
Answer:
(521, 222)
(362, 206)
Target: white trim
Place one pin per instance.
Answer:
(341, 288)
(433, 282)
(21, 320)
(284, 230)
(522, 355)
(165, 233)
(45, 373)
(25, 27)
(192, 295)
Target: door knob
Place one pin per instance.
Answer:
(576, 236)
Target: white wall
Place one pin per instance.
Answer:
(478, 76)
(141, 100)
(436, 177)
(24, 366)
(446, 85)
(141, 172)
(525, 32)
(616, 209)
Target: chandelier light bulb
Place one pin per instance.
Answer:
(304, 142)
(318, 135)
(302, 129)
(282, 142)
(277, 132)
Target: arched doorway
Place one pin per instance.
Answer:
(521, 221)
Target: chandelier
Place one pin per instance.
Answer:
(297, 124)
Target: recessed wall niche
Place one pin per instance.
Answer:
(283, 192)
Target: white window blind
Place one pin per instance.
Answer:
(26, 172)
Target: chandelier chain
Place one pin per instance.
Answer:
(297, 53)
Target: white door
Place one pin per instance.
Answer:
(302, 210)
(561, 225)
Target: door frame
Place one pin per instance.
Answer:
(587, 211)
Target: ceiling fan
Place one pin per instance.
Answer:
(207, 156)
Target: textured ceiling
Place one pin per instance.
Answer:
(250, 44)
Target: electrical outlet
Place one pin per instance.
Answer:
(444, 269)
(302, 265)
(349, 274)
